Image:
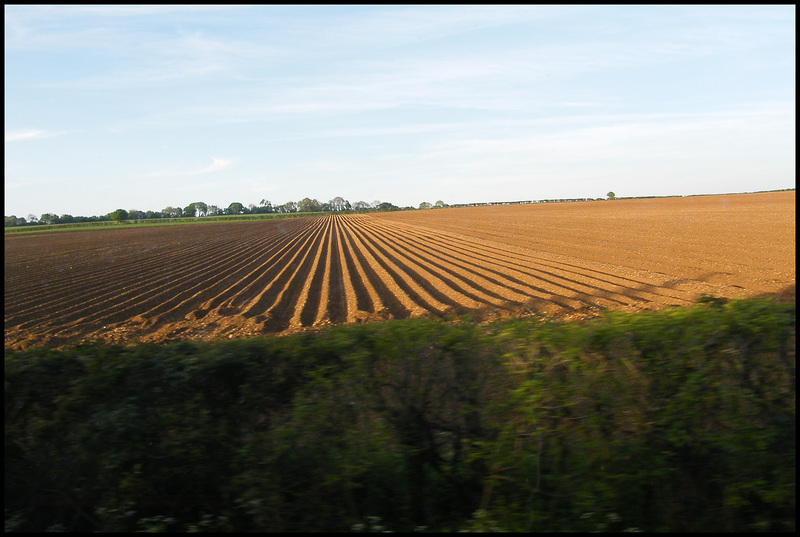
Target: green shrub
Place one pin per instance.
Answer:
(680, 420)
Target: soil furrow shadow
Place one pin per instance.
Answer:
(312, 293)
(105, 279)
(337, 307)
(83, 299)
(551, 295)
(404, 269)
(275, 278)
(522, 264)
(245, 289)
(467, 287)
(280, 314)
(142, 298)
(378, 277)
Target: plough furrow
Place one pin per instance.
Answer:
(279, 276)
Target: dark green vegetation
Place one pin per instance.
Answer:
(85, 226)
(195, 212)
(681, 420)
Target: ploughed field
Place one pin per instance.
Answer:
(567, 260)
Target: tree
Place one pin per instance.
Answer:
(339, 204)
(440, 204)
(611, 196)
(197, 208)
(307, 205)
(288, 207)
(425, 205)
(234, 208)
(119, 215)
(172, 212)
(12, 221)
(361, 206)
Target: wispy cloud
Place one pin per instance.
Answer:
(134, 10)
(182, 59)
(29, 134)
(217, 164)
(121, 50)
(403, 25)
(517, 80)
(35, 26)
(625, 136)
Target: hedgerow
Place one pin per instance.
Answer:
(679, 420)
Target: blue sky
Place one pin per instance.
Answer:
(142, 107)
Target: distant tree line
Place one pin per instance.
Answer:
(199, 209)
(50, 218)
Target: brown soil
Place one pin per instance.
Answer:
(567, 260)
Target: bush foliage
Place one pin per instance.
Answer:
(680, 420)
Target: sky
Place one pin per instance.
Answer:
(144, 107)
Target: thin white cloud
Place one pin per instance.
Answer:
(29, 134)
(35, 26)
(141, 56)
(133, 10)
(217, 164)
(403, 25)
(516, 80)
(625, 136)
(186, 58)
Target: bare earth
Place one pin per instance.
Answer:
(565, 260)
